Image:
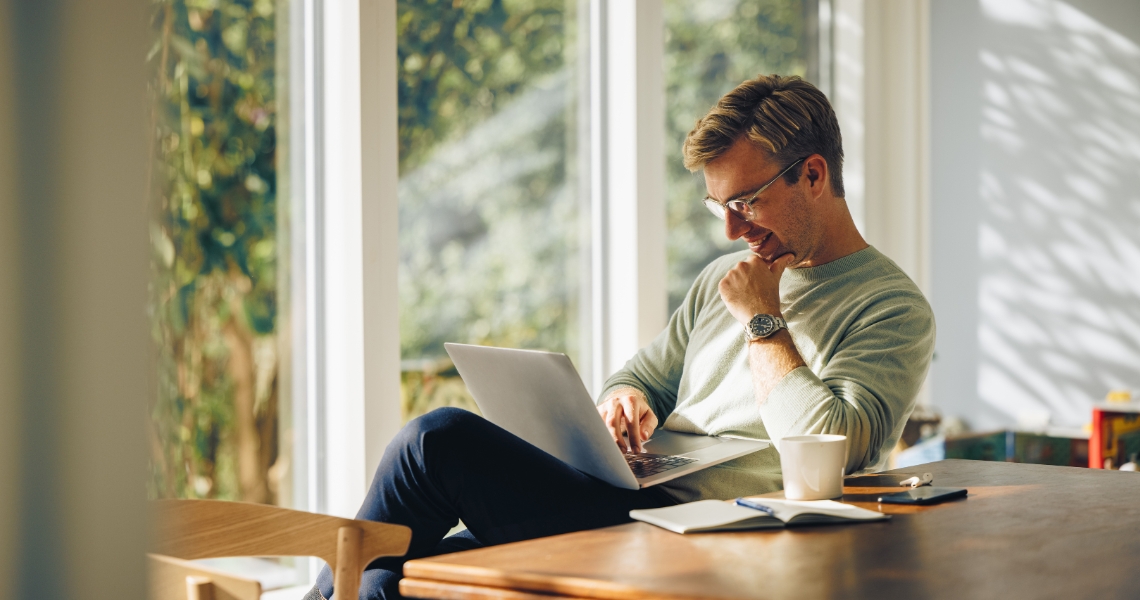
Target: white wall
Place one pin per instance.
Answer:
(1036, 206)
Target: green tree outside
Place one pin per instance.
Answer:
(214, 424)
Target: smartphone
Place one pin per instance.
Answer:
(924, 495)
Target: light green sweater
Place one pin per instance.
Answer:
(861, 325)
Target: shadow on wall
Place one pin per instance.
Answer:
(1059, 236)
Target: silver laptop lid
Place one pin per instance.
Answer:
(540, 397)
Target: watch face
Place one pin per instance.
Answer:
(762, 325)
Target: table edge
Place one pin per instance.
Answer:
(545, 586)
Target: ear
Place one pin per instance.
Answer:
(816, 175)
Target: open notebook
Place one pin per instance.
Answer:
(752, 513)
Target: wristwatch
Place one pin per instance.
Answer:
(762, 326)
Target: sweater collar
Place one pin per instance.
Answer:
(836, 267)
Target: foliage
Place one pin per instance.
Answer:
(462, 62)
(214, 260)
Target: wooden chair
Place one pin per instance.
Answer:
(171, 578)
(193, 529)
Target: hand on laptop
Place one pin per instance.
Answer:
(626, 414)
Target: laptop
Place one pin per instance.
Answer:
(540, 397)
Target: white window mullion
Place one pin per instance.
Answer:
(342, 353)
(897, 146)
(302, 218)
(597, 115)
(847, 98)
(631, 304)
(301, 252)
(653, 302)
(358, 307)
(380, 222)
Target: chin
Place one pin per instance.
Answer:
(779, 255)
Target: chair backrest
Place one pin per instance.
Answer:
(192, 529)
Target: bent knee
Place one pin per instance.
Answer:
(448, 423)
(443, 419)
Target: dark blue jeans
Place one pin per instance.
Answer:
(451, 464)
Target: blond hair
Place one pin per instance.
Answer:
(786, 116)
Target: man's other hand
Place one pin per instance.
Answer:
(752, 287)
(627, 415)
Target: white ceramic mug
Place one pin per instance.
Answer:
(813, 466)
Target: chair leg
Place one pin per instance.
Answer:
(346, 578)
(199, 588)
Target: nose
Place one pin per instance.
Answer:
(734, 226)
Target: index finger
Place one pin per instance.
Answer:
(777, 267)
(633, 430)
(614, 418)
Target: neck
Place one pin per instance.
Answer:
(838, 235)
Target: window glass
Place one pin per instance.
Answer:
(489, 194)
(215, 420)
(711, 46)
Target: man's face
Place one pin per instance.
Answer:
(782, 220)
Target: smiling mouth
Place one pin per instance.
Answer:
(755, 247)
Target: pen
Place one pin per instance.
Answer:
(753, 505)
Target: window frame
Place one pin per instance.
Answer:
(344, 235)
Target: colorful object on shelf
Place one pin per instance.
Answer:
(1115, 434)
(1119, 396)
(1021, 447)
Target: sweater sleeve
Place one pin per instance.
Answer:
(656, 369)
(867, 388)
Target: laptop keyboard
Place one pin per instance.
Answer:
(644, 465)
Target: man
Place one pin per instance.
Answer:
(859, 334)
(855, 348)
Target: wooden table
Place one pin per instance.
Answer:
(1026, 531)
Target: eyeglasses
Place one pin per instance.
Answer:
(742, 208)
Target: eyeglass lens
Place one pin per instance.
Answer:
(738, 208)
